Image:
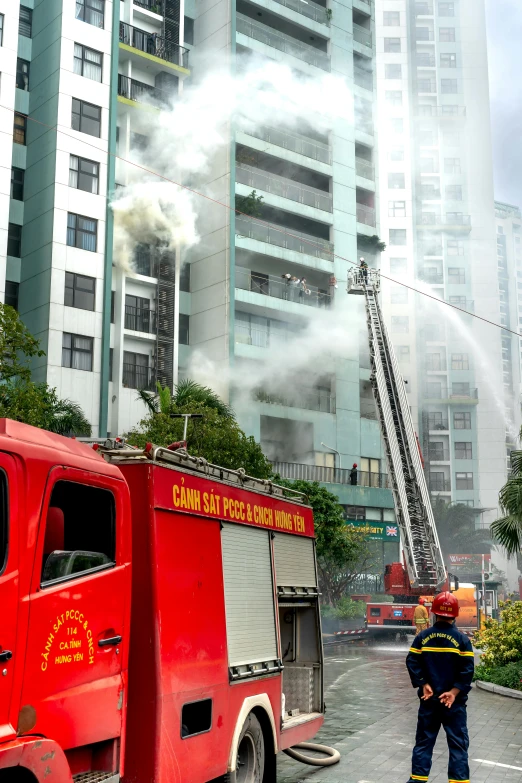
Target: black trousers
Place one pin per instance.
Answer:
(433, 715)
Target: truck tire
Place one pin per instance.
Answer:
(250, 753)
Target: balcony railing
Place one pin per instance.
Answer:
(286, 188)
(433, 278)
(139, 319)
(423, 9)
(141, 92)
(430, 194)
(137, 377)
(433, 251)
(244, 334)
(307, 8)
(298, 471)
(363, 78)
(362, 36)
(268, 285)
(439, 484)
(440, 111)
(426, 86)
(452, 394)
(423, 34)
(290, 239)
(450, 219)
(438, 455)
(310, 400)
(364, 169)
(151, 5)
(285, 43)
(365, 215)
(438, 425)
(154, 44)
(425, 60)
(295, 142)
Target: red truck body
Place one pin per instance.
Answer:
(147, 610)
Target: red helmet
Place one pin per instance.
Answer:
(354, 465)
(422, 601)
(445, 605)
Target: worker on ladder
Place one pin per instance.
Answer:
(441, 664)
(420, 616)
(363, 267)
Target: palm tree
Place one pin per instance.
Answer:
(67, 418)
(508, 529)
(456, 528)
(185, 392)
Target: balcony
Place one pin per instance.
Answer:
(244, 334)
(364, 168)
(453, 394)
(426, 86)
(438, 455)
(365, 215)
(423, 9)
(450, 220)
(140, 92)
(268, 285)
(363, 78)
(307, 399)
(425, 60)
(440, 111)
(433, 278)
(430, 194)
(437, 425)
(285, 188)
(441, 484)
(307, 8)
(153, 44)
(135, 377)
(285, 43)
(423, 34)
(290, 239)
(138, 319)
(150, 5)
(295, 142)
(299, 472)
(362, 35)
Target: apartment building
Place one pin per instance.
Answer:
(437, 219)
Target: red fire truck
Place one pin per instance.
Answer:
(160, 617)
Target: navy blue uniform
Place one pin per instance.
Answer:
(442, 657)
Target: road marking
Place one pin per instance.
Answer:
(498, 764)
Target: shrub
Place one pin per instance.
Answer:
(344, 609)
(509, 676)
(501, 641)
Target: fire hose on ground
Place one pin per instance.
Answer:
(333, 756)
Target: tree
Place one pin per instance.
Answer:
(17, 345)
(185, 392)
(216, 437)
(39, 405)
(249, 205)
(343, 552)
(508, 529)
(501, 641)
(456, 528)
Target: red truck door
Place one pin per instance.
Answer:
(8, 590)
(78, 627)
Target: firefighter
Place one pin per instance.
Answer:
(441, 663)
(353, 475)
(420, 616)
(363, 269)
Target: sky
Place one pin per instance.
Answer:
(504, 25)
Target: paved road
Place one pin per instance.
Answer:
(371, 718)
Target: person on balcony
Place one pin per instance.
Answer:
(353, 475)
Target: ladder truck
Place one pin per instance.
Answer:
(423, 572)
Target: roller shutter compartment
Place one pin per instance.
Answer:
(294, 561)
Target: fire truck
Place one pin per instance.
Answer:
(160, 618)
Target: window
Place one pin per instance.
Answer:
(393, 71)
(25, 22)
(135, 370)
(397, 236)
(446, 9)
(434, 361)
(433, 390)
(188, 31)
(111, 362)
(464, 481)
(77, 351)
(449, 86)
(22, 74)
(447, 34)
(20, 128)
(392, 45)
(184, 329)
(11, 294)
(81, 232)
(456, 275)
(459, 361)
(88, 62)
(460, 301)
(14, 240)
(369, 472)
(437, 481)
(436, 451)
(398, 266)
(392, 18)
(112, 305)
(399, 295)
(454, 247)
(463, 450)
(460, 389)
(79, 291)
(436, 422)
(139, 141)
(84, 174)
(396, 181)
(355, 512)
(86, 118)
(397, 154)
(137, 313)
(396, 209)
(17, 184)
(184, 278)
(91, 11)
(1, 29)
(80, 532)
(448, 60)
(454, 192)
(423, 34)
(394, 97)
(400, 323)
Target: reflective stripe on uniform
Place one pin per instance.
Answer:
(442, 649)
(414, 649)
(456, 781)
(421, 777)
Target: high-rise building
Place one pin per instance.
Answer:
(438, 221)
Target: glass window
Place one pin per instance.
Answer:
(438, 482)
(449, 86)
(14, 240)
(20, 129)
(79, 291)
(188, 30)
(455, 247)
(436, 422)
(463, 450)
(22, 74)
(81, 232)
(399, 294)
(184, 278)
(392, 71)
(184, 333)
(83, 174)
(80, 532)
(446, 9)
(394, 97)
(86, 118)
(396, 181)
(11, 294)
(464, 481)
(454, 192)
(25, 23)
(400, 323)
(446, 34)
(459, 361)
(1, 29)
(392, 45)
(137, 314)
(434, 361)
(398, 266)
(397, 236)
(423, 34)
(448, 60)
(136, 371)
(403, 352)
(91, 11)
(460, 389)
(396, 209)
(392, 18)
(88, 62)
(77, 351)
(456, 275)
(17, 184)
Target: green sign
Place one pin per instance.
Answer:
(376, 531)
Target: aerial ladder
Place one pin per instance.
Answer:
(425, 569)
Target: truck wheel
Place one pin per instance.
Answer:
(250, 753)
